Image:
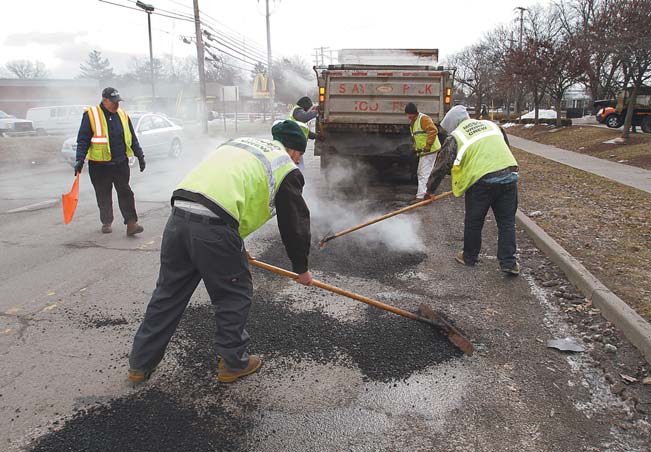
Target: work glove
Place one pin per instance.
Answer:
(141, 163)
(78, 166)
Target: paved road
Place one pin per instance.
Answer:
(337, 375)
(632, 176)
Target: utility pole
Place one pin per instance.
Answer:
(519, 93)
(202, 74)
(270, 84)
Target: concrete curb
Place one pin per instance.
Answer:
(635, 328)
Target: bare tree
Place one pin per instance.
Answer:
(587, 25)
(630, 26)
(474, 71)
(24, 69)
(140, 70)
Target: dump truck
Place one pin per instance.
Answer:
(613, 112)
(362, 102)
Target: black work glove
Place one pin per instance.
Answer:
(78, 166)
(141, 162)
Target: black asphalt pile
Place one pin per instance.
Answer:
(351, 256)
(384, 346)
(146, 421)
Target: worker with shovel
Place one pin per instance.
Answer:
(478, 156)
(232, 193)
(426, 144)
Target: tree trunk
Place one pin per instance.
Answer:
(630, 107)
(559, 98)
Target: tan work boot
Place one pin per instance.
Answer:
(226, 376)
(106, 229)
(138, 376)
(134, 228)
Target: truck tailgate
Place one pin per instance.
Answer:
(379, 97)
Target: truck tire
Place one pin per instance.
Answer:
(646, 125)
(613, 121)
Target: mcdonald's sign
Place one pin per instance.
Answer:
(261, 87)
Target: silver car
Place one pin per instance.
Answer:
(157, 135)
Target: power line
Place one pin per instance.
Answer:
(233, 41)
(154, 12)
(231, 55)
(213, 39)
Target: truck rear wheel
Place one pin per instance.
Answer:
(646, 125)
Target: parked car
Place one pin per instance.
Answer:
(157, 135)
(58, 120)
(10, 126)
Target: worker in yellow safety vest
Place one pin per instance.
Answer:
(302, 113)
(478, 157)
(107, 139)
(426, 144)
(232, 193)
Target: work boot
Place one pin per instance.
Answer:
(515, 270)
(106, 229)
(139, 376)
(134, 228)
(462, 260)
(416, 201)
(227, 376)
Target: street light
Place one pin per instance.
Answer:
(149, 9)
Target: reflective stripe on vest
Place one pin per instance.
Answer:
(481, 149)
(100, 148)
(304, 127)
(269, 166)
(242, 177)
(420, 138)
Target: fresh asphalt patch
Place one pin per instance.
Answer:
(185, 408)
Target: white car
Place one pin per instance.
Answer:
(157, 135)
(11, 126)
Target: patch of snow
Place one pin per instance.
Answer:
(508, 124)
(542, 114)
(528, 126)
(618, 140)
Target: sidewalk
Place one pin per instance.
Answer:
(624, 174)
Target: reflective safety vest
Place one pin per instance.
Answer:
(304, 127)
(100, 148)
(242, 177)
(420, 138)
(481, 149)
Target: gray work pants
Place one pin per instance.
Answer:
(193, 250)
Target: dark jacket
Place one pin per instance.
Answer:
(304, 116)
(115, 136)
(292, 213)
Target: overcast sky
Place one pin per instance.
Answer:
(62, 32)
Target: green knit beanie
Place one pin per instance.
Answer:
(290, 135)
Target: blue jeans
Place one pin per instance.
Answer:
(503, 199)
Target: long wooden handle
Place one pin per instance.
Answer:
(345, 293)
(389, 215)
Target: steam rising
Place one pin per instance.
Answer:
(329, 216)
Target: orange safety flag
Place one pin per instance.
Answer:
(69, 201)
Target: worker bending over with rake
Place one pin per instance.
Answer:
(235, 191)
(478, 156)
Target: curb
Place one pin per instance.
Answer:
(635, 328)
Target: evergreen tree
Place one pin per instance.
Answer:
(96, 67)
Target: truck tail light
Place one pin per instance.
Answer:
(448, 96)
(321, 95)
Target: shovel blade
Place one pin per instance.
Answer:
(454, 335)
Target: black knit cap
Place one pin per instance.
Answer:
(305, 103)
(290, 135)
(411, 109)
